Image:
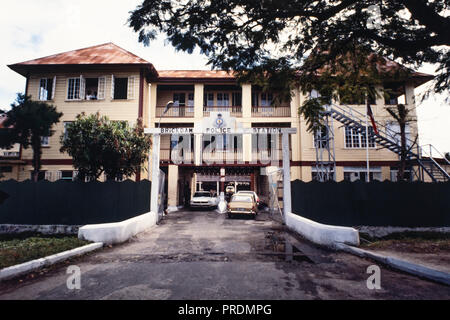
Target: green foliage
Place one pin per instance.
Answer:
(27, 122)
(242, 35)
(99, 145)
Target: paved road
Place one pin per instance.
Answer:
(202, 255)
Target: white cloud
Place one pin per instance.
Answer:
(35, 28)
(31, 29)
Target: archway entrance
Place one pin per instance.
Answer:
(221, 156)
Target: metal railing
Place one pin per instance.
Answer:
(263, 112)
(175, 112)
(235, 111)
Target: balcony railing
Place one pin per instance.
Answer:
(263, 112)
(234, 111)
(175, 112)
(177, 155)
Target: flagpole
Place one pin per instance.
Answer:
(367, 144)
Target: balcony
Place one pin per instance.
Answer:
(234, 111)
(168, 155)
(175, 112)
(274, 112)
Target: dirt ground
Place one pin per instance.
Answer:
(205, 256)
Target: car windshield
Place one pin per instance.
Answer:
(241, 198)
(202, 194)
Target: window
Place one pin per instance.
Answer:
(223, 100)
(179, 99)
(237, 99)
(73, 89)
(394, 174)
(327, 174)
(355, 140)
(66, 125)
(92, 86)
(393, 131)
(123, 88)
(266, 99)
(45, 141)
(67, 175)
(321, 138)
(392, 92)
(355, 173)
(47, 89)
(191, 102)
(208, 100)
(255, 99)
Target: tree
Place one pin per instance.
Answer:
(99, 145)
(447, 156)
(260, 35)
(27, 122)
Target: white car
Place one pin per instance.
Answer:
(204, 199)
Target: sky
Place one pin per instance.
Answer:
(31, 29)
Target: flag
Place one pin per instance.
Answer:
(372, 119)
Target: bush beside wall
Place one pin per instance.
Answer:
(373, 204)
(73, 203)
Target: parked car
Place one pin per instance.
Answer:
(242, 204)
(204, 199)
(253, 193)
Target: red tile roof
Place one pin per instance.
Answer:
(196, 74)
(104, 54)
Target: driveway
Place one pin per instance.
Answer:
(203, 255)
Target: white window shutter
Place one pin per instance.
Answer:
(40, 89)
(48, 176)
(82, 88)
(101, 88)
(54, 88)
(112, 87)
(131, 85)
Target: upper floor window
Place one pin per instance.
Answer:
(237, 99)
(223, 100)
(47, 89)
(179, 99)
(266, 99)
(321, 138)
(66, 126)
(81, 88)
(45, 141)
(355, 140)
(74, 88)
(123, 88)
(208, 100)
(392, 93)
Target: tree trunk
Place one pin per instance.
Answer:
(37, 152)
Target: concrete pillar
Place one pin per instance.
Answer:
(247, 144)
(295, 103)
(287, 204)
(198, 149)
(247, 101)
(198, 101)
(173, 187)
(153, 100)
(154, 204)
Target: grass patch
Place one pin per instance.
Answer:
(410, 241)
(20, 248)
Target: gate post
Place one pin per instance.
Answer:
(155, 174)
(287, 205)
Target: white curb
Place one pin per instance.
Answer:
(119, 232)
(322, 234)
(412, 268)
(20, 269)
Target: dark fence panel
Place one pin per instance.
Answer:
(73, 203)
(373, 204)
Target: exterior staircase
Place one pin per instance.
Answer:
(387, 138)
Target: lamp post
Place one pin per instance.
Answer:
(154, 205)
